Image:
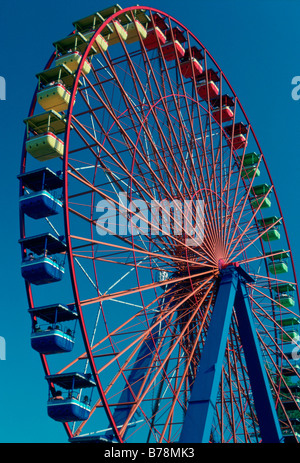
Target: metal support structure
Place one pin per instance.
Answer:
(264, 404)
(200, 412)
(135, 379)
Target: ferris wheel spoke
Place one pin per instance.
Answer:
(244, 384)
(245, 199)
(114, 201)
(250, 221)
(232, 399)
(119, 329)
(162, 317)
(179, 337)
(166, 258)
(253, 259)
(133, 179)
(167, 112)
(162, 99)
(141, 288)
(126, 210)
(188, 362)
(227, 186)
(179, 119)
(213, 159)
(106, 137)
(270, 279)
(200, 173)
(126, 364)
(116, 153)
(142, 124)
(123, 239)
(253, 240)
(155, 360)
(272, 301)
(269, 353)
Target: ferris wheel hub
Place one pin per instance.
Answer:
(223, 264)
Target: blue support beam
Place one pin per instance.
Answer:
(201, 408)
(200, 412)
(264, 404)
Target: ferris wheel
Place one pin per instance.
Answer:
(159, 275)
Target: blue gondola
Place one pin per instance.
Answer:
(40, 266)
(41, 200)
(69, 406)
(55, 338)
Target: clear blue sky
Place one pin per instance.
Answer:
(256, 43)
